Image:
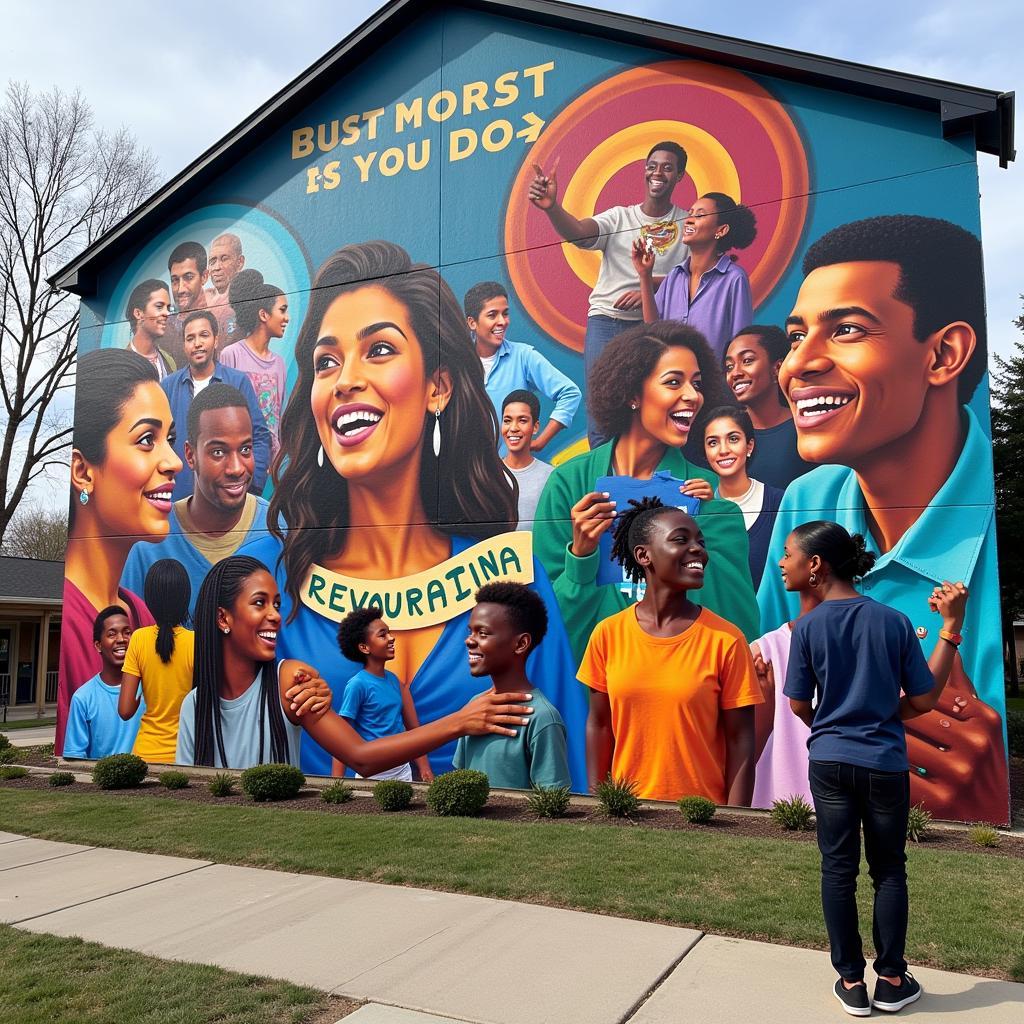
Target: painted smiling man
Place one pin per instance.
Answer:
(887, 347)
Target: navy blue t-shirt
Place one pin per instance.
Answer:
(857, 655)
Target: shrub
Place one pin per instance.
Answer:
(983, 835)
(339, 792)
(43, 749)
(793, 813)
(222, 784)
(618, 797)
(460, 793)
(12, 771)
(174, 780)
(119, 771)
(548, 801)
(4, 741)
(62, 779)
(919, 821)
(1015, 732)
(272, 782)
(392, 794)
(8, 755)
(697, 810)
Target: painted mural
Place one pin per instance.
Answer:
(416, 416)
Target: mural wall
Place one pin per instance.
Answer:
(438, 333)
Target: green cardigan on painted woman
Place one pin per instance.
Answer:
(727, 591)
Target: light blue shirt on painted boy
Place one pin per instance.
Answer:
(952, 539)
(521, 367)
(95, 729)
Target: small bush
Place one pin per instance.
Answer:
(62, 779)
(983, 835)
(618, 797)
(12, 771)
(393, 794)
(461, 793)
(174, 780)
(793, 813)
(919, 822)
(1015, 732)
(222, 784)
(697, 810)
(272, 782)
(4, 741)
(8, 755)
(43, 749)
(119, 771)
(339, 792)
(549, 801)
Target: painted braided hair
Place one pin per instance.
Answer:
(167, 592)
(633, 527)
(220, 589)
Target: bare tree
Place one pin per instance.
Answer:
(37, 532)
(63, 183)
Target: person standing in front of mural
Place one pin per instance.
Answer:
(261, 316)
(375, 703)
(203, 369)
(673, 687)
(708, 290)
(221, 514)
(225, 261)
(122, 476)
(188, 271)
(647, 391)
(159, 658)
(95, 729)
(863, 663)
(508, 622)
(730, 447)
(616, 301)
(752, 362)
(513, 366)
(888, 346)
(391, 484)
(147, 313)
(520, 421)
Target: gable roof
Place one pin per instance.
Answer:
(31, 579)
(985, 112)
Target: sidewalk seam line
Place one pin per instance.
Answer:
(107, 895)
(401, 952)
(47, 860)
(660, 980)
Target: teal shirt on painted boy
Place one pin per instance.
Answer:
(521, 367)
(953, 539)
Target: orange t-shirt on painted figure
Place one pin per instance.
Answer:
(667, 695)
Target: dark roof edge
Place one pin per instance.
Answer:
(986, 113)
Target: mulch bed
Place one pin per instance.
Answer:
(514, 811)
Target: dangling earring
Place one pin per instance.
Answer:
(437, 433)
(225, 630)
(83, 497)
(319, 458)
(813, 580)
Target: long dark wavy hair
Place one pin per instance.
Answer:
(220, 589)
(167, 592)
(468, 484)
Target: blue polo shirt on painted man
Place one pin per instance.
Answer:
(95, 729)
(952, 539)
(521, 367)
(180, 390)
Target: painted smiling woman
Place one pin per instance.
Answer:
(389, 490)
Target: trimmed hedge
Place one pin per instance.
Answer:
(174, 780)
(272, 782)
(461, 793)
(120, 771)
(62, 779)
(393, 794)
(697, 810)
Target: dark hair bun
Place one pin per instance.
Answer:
(863, 560)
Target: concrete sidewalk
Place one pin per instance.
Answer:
(418, 956)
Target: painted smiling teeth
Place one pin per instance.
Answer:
(822, 404)
(349, 422)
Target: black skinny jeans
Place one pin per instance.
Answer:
(846, 797)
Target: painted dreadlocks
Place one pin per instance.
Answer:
(633, 527)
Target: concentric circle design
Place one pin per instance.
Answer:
(739, 141)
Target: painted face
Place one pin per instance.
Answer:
(224, 263)
(856, 377)
(794, 565)
(222, 459)
(113, 642)
(199, 343)
(518, 427)
(676, 553)
(749, 372)
(153, 318)
(132, 487)
(661, 174)
(277, 319)
(187, 284)
(379, 642)
(671, 397)
(490, 325)
(370, 393)
(254, 619)
(493, 643)
(701, 224)
(726, 447)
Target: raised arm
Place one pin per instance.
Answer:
(543, 194)
(950, 601)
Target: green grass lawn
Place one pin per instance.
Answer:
(50, 980)
(26, 723)
(966, 909)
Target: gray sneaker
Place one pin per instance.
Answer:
(891, 997)
(854, 1000)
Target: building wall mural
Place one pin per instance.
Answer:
(437, 333)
